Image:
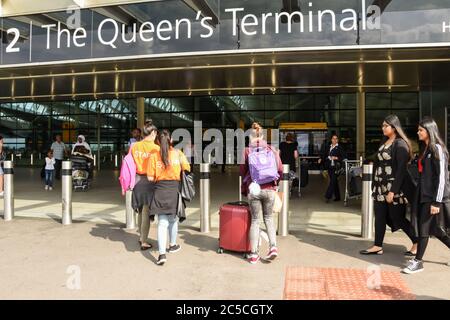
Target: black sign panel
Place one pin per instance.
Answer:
(174, 27)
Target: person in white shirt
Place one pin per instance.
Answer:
(49, 170)
(59, 151)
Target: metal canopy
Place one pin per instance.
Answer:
(232, 74)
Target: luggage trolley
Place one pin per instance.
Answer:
(353, 175)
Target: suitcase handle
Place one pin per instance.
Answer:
(239, 203)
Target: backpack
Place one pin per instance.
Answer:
(263, 165)
(127, 177)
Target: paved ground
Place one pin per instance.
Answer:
(38, 254)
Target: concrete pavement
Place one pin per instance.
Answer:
(41, 259)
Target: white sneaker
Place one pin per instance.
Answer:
(50, 188)
(46, 187)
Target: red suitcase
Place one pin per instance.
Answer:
(234, 227)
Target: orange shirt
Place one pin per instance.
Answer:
(156, 170)
(141, 151)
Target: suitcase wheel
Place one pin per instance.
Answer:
(220, 251)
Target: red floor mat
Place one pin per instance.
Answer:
(344, 284)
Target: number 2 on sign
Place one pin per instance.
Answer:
(10, 47)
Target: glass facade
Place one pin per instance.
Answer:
(378, 105)
(31, 127)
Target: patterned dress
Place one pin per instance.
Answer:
(384, 177)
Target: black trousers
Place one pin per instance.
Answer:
(58, 166)
(333, 187)
(395, 213)
(426, 224)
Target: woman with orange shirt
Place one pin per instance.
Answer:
(164, 169)
(143, 189)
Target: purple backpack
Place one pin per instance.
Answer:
(263, 165)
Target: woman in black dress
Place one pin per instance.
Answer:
(389, 185)
(433, 203)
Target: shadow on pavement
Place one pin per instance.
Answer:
(349, 245)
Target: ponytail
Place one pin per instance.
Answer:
(164, 138)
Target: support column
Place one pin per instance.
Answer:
(360, 124)
(140, 112)
(98, 140)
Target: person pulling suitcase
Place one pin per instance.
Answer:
(261, 173)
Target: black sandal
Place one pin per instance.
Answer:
(410, 254)
(366, 252)
(143, 248)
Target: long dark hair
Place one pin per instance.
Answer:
(148, 127)
(164, 139)
(435, 138)
(395, 123)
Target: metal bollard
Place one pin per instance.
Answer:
(116, 164)
(283, 223)
(8, 190)
(66, 178)
(129, 212)
(12, 157)
(205, 198)
(299, 177)
(32, 160)
(95, 160)
(367, 216)
(240, 188)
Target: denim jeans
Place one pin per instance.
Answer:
(49, 178)
(262, 203)
(166, 221)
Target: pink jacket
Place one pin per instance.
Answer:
(127, 173)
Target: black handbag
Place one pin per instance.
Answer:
(181, 208)
(413, 173)
(339, 170)
(187, 186)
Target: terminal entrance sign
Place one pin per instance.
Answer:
(171, 27)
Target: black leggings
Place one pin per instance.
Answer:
(423, 243)
(382, 211)
(427, 223)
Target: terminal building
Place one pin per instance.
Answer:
(100, 67)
